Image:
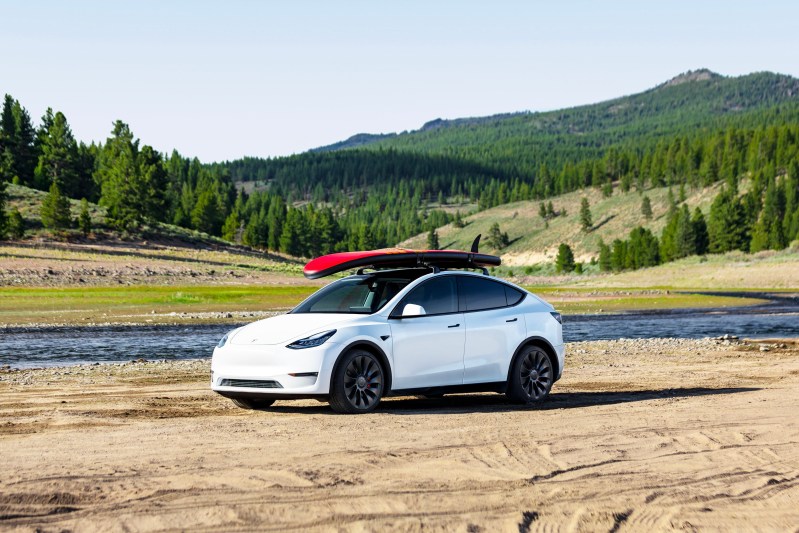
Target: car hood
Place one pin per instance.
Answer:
(284, 328)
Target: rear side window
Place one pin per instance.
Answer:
(480, 293)
(437, 296)
(513, 296)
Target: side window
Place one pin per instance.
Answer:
(436, 296)
(513, 296)
(480, 293)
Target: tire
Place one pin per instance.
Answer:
(358, 383)
(531, 376)
(249, 403)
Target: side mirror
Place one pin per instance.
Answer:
(413, 310)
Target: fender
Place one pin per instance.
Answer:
(372, 347)
(541, 342)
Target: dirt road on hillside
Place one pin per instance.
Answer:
(638, 435)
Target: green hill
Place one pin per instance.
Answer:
(685, 105)
(539, 154)
(532, 240)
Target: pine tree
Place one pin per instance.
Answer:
(550, 210)
(290, 236)
(55, 209)
(133, 181)
(3, 218)
(274, 220)
(496, 238)
(432, 240)
(564, 262)
(643, 249)
(58, 158)
(672, 203)
(726, 226)
(231, 227)
(700, 232)
(542, 210)
(205, 216)
(458, 221)
(85, 218)
(618, 255)
(768, 230)
(685, 239)
(604, 257)
(586, 221)
(16, 225)
(646, 208)
(790, 222)
(17, 148)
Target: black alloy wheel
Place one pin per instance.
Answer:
(358, 383)
(531, 377)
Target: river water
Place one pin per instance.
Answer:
(36, 347)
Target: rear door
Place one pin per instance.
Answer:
(494, 327)
(428, 346)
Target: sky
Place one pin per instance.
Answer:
(226, 79)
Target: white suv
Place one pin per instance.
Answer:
(413, 331)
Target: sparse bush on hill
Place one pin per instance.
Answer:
(16, 224)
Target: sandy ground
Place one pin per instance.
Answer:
(638, 435)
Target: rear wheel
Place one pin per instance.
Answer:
(531, 376)
(358, 383)
(249, 403)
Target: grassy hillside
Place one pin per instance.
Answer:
(29, 203)
(531, 241)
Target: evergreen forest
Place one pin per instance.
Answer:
(696, 130)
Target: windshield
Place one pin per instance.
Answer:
(360, 295)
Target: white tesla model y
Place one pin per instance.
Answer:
(396, 331)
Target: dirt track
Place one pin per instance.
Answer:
(639, 435)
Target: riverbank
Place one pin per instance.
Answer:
(68, 284)
(649, 434)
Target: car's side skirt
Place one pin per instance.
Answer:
(495, 386)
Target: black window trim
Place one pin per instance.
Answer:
(493, 280)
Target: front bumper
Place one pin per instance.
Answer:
(273, 371)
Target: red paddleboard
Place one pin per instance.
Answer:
(397, 258)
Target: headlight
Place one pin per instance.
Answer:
(223, 340)
(557, 316)
(312, 341)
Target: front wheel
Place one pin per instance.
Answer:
(357, 384)
(531, 376)
(249, 403)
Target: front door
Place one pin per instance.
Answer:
(428, 344)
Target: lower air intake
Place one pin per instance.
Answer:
(251, 383)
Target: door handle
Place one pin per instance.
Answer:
(453, 326)
(512, 320)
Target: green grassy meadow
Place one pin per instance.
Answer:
(132, 303)
(136, 304)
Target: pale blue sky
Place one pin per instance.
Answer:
(220, 80)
